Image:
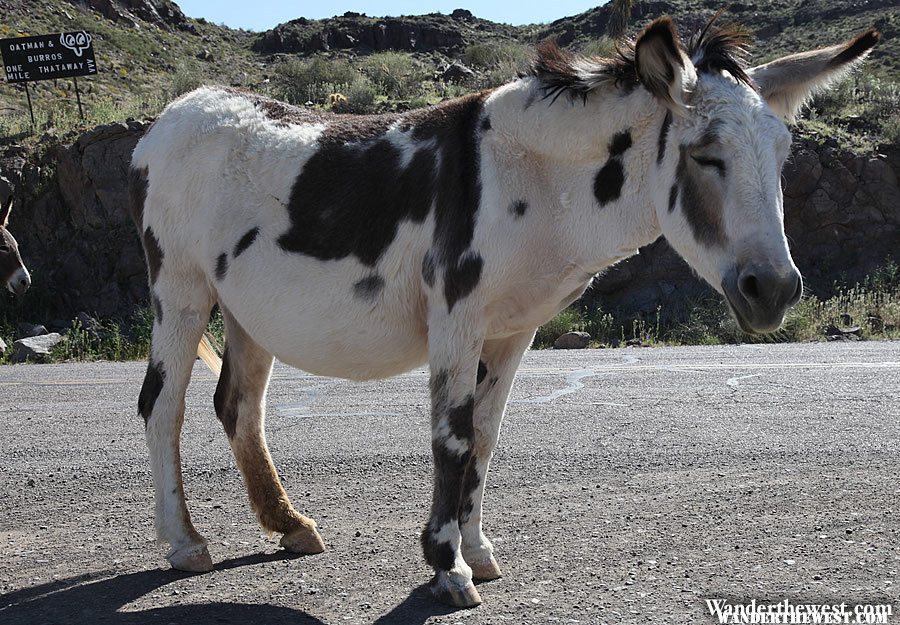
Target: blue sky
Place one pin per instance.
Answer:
(264, 14)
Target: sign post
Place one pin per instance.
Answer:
(30, 108)
(46, 57)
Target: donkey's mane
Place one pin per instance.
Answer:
(713, 49)
(722, 49)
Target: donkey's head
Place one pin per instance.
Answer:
(725, 139)
(12, 270)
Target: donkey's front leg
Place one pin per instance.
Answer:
(496, 370)
(454, 366)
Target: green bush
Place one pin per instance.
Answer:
(396, 75)
(360, 96)
(604, 46)
(493, 55)
(299, 82)
(500, 63)
(186, 78)
(864, 97)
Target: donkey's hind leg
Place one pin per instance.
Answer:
(496, 371)
(182, 306)
(240, 404)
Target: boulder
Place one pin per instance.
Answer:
(89, 324)
(36, 348)
(572, 340)
(26, 330)
(457, 72)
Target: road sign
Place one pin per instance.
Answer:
(44, 57)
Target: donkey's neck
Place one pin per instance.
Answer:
(591, 167)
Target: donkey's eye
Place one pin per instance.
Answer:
(707, 161)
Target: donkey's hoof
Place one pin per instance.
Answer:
(486, 570)
(193, 559)
(303, 540)
(445, 591)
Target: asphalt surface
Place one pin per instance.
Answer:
(628, 487)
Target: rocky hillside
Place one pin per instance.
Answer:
(360, 33)
(842, 206)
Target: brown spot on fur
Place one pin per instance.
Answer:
(663, 137)
(369, 287)
(428, 269)
(461, 280)
(471, 484)
(227, 397)
(246, 241)
(153, 253)
(150, 389)
(460, 419)
(482, 372)
(856, 48)
(137, 195)
(157, 308)
(701, 203)
(221, 266)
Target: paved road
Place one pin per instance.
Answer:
(629, 486)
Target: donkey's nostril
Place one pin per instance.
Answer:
(749, 286)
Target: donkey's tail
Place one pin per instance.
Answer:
(208, 354)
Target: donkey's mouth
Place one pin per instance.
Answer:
(759, 299)
(742, 321)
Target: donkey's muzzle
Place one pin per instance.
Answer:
(759, 296)
(19, 282)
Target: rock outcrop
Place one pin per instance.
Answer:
(357, 32)
(163, 13)
(76, 236)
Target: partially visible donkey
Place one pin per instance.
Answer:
(362, 247)
(12, 270)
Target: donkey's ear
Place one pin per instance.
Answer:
(5, 210)
(789, 82)
(660, 62)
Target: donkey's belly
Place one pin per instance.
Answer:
(323, 324)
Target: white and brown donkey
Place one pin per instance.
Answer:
(362, 247)
(12, 270)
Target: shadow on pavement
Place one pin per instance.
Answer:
(96, 597)
(417, 608)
